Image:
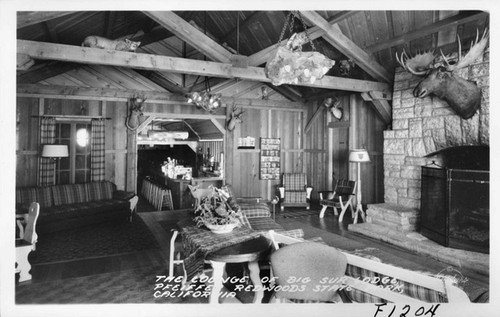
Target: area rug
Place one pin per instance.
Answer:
(104, 239)
(129, 286)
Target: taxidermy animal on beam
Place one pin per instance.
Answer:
(107, 44)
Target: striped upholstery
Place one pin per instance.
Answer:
(69, 194)
(25, 196)
(360, 296)
(45, 197)
(410, 289)
(100, 190)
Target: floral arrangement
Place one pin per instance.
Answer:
(216, 210)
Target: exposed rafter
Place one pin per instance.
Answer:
(26, 18)
(453, 21)
(70, 53)
(347, 47)
(191, 35)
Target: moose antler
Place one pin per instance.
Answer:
(417, 65)
(477, 48)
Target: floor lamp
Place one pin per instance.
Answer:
(55, 152)
(359, 156)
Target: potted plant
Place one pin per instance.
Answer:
(215, 213)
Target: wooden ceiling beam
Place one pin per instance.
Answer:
(112, 94)
(190, 34)
(72, 53)
(347, 47)
(454, 21)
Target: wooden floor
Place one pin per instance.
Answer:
(313, 226)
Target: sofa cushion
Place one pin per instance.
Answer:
(256, 210)
(293, 196)
(69, 194)
(25, 196)
(294, 182)
(100, 190)
(45, 197)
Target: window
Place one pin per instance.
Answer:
(75, 168)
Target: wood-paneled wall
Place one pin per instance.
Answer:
(366, 131)
(321, 152)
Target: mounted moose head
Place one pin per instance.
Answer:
(135, 111)
(333, 105)
(462, 95)
(235, 118)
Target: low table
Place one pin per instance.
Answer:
(250, 251)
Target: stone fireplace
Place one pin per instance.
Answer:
(421, 127)
(424, 126)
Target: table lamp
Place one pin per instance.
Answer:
(359, 156)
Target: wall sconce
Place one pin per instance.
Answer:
(55, 151)
(359, 156)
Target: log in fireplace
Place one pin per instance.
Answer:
(455, 198)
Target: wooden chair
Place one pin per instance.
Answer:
(362, 280)
(341, 197)
(27, 244)
(294, 190)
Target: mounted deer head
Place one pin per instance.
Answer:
(462, 95)
(333, 105)
(135, 111)
(235, 118)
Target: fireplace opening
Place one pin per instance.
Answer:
(455, 198)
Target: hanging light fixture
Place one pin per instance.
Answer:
(205, 99)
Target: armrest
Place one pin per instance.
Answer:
(326, 194)
(123, 195)
(308, 192)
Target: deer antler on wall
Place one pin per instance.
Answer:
(463, 96)
(333, 105)
(135, 106)
(235, 118)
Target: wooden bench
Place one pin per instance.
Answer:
(363, 281)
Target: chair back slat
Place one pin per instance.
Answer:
(345, 187)
(30, 235)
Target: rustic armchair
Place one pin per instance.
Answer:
(341, 197)
(294, 190)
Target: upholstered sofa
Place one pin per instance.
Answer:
(68, 206)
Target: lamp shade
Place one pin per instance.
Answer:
(359, 156)
(55, 150)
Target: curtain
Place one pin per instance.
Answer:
(47, 165)
(97, 155)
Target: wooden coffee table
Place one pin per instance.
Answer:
(250, 251)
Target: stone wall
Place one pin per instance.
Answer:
(423, 126)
